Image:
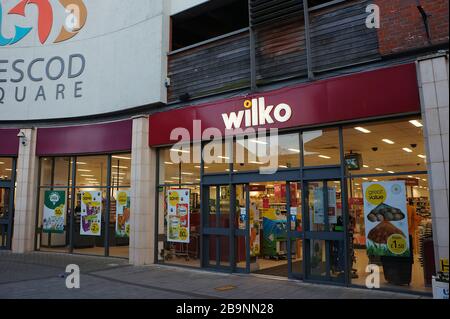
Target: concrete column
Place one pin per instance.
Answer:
(25, 201)
(433, 83)
(143, 182)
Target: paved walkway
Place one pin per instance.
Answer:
(41, 275)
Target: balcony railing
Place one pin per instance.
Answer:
(338, 33)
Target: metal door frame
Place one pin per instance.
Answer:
(325, 235)
(9, 222)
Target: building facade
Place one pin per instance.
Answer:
(302, 139)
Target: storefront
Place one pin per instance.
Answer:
(83, 203)
(337, 138)
(8, 154)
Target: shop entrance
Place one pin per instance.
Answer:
(324, 231)
(281, 228)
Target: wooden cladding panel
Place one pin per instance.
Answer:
(216, 67)
(281, 50)
(339, 36)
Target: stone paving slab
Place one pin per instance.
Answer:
(41, 275)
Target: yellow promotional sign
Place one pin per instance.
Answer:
(444, 264)
(95, 228)
(376, 194)
(122, 198)
(87, 198)
(397, 244)
(174, 198)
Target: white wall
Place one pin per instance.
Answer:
(178, 6)
(124, 43)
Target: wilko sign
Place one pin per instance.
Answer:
(257, 113)
(347, 98)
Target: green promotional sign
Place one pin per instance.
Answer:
(54, 211)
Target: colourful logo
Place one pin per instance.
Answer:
(76, 16)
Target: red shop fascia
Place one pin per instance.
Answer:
(382, 93)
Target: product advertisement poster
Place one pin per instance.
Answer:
(318, 216)
(54, 211)
(332, 206)
(91, 214)
(122, 213)
(178, 217)
(386, 218)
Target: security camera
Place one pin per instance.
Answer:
(374, 149)
(22, 138)
(413, 145)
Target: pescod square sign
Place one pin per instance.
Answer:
(71, 58)
(358, 96)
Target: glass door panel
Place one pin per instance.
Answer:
(5, 211)
(217, 227)
(324, 231)
(296, 230)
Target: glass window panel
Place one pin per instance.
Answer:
(386, 147)
(177, 166)
(55, 242)
(253, 153)
(169, 252)
(120, 170)
(62, 171)
(88, 243)
(46, 171)
(321, 147)
(119, 222)
(419, 213)
(92, 170)
(5, 168)
(217, 156)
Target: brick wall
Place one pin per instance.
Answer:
(402, 27)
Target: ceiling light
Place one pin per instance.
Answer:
(256, 162)
(122, 157)
(123, 167)
(84, 170)
(379, 169)
(391, 172)
(168, 163)
(223, 157)
(187, 173)
(357, 184)
(115, 173)
(365, 178)
(197, 179)
(294, 150)
(416, 123)
(258, 142)
(424, 179)
(408, 150)
(410, 176)
(87, 175)
(282, 166)
(81, 163)
(366, 166)
(8, 169)
(179, 150)
(167, 181)
(422, 156)
(375, 180)
(362, 129)
(1, 163)
(324, 156)
(388, 141)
